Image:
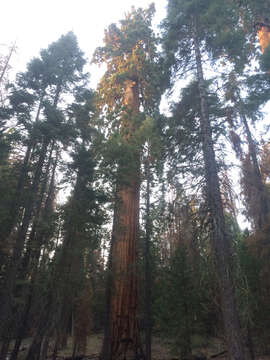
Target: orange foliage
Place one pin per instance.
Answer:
(264, 37)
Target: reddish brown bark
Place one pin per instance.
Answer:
(264, 36)
(123, 339)
(263, 30)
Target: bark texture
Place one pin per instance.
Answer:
(122, 340)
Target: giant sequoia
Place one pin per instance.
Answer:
(56, 134)
(130, 89)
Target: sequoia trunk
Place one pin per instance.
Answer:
(122, 340)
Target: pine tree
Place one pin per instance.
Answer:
(82, 217)
(40, 90)
(188, 30)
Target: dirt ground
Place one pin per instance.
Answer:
(162, 349)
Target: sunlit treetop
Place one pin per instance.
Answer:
(130, 53)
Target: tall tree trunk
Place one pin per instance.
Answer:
(122, 340)
(8, 226)
(6, 318)
(34, 256)
(16, 203)
(106, 348)
(33, 243)
(262, 192)
(5, 67)
(56, 312)
(148, 274)
(220, 237)
(6, 323)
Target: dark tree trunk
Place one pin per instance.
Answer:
(32, 246)
(6, 320)
(56, 313)
(8, 226)
(220, 238)
(44, 348)
(262, 192)
(106, 349)
(23, 321)
(22, 324)
(148, 274)
(16, 203)
(44, 327)
(250, 343)
(11, 273)
(5, 348)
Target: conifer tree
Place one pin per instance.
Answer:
(82, 217)
(130, 88)
(39, 91)
(186, 29)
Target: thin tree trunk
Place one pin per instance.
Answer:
(148, 274)
(106, 348)
(5, 68)
(16, 203)
(6, 321)
(220, 237)
(54, 315)
(44, 348)
(8, 226)
(31, 246)
(250, 343)
(44, 326)
(5, 348)
(6, 317)
(34, 271)
(23, 323)
(262, 193)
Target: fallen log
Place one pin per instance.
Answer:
(219, 354)
(77, 357)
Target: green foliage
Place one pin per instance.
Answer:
(104, 141)
(180, 303)
(217, 27)
(183, 135)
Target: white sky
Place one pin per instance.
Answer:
(34, 24)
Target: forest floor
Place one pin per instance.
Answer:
(162, 349)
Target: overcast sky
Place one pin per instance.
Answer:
(34, 24)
